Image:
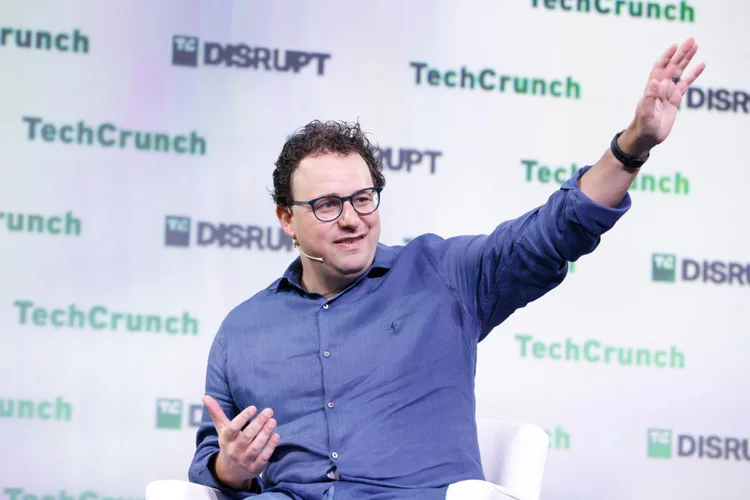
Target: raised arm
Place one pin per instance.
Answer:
(524, 258)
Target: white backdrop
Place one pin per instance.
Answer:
(90, 409)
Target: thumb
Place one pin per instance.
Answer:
(217, 414)
(652, 90)
(648, 103)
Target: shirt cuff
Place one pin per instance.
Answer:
(594, 216)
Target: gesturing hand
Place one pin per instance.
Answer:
(667, 83)
(242, 453)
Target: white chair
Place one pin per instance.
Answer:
(513, 455)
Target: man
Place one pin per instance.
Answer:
(354, 372)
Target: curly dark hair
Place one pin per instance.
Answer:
(322, 137)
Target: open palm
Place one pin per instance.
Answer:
(657, 109)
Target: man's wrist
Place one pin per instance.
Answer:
(631, 144)
(218, 467)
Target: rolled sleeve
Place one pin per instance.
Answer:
(582, 210)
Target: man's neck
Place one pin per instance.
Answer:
(324, 285)
(327, 290)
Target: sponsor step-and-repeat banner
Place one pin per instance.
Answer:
(137, 143)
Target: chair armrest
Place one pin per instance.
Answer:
(173, 489)
(513, 455)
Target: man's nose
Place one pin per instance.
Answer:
(349, 216)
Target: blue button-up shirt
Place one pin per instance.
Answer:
(378, 380)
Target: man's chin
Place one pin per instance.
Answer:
(350, 271)
(350, 266)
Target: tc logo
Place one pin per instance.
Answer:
(177, 231)
(168, 413)
(659, 443)
(663, 267)
(185, 50)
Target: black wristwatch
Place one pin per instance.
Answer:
(624, 158)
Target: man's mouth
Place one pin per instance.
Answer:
(348, 242)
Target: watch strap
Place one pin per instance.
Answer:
(624, 158)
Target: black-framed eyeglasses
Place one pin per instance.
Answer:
(329, 208)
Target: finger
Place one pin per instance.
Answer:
(688, 80)
(683, 50)
(681, 60)
(256, 447)
(234, 428)
(249, 433)
(267, 452)
(688, 57)
(661, 65)
(663, 61)
(672, 68)
(217, 414)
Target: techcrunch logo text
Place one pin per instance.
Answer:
(596, 352)
(661, 446)
(18, 493)
(27, 409)
(559, 439)
(665, 266)
(491, 80)
(109, 135)
(65, 225)
(681, 12)
(101, 318)
(75, 42)
(185, 52)
(406, 159)
(534, 171)
(177, 231)
(169, 414)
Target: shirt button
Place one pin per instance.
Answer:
(325, 306)
(334, 455)
(327, 354)
(330, 404)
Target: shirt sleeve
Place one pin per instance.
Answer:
(524, 258)
(207, 439)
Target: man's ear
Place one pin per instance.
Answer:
(284, 214)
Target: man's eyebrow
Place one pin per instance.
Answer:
(334, 194)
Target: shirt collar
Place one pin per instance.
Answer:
(384, 257)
